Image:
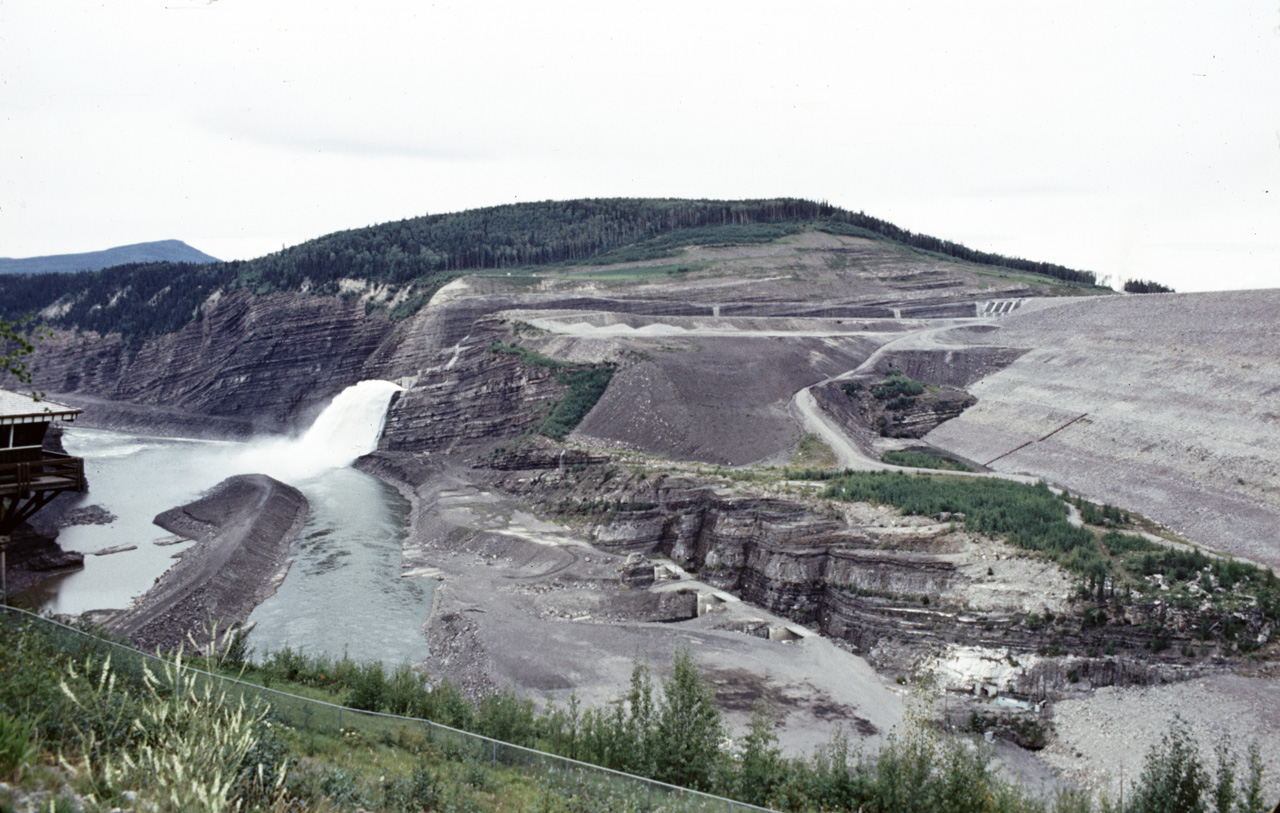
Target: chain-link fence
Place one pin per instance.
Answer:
(621, 791)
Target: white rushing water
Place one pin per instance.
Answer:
(346, 429)
(343, 592)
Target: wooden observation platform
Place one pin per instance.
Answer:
(29, 476)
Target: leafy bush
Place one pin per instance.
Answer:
(897, 385)
(920, 460)
(1117, 543)
(1173, 778)
(688, 729)
(418, 791)
(1030, 516)
(17, 745)
(369, 687)
(902, 402)
(585, 388)
(342, 786)
(1093, 514)
(503, 716)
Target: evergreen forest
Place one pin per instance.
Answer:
(1142, 286)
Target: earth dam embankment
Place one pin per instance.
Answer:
(243, 527)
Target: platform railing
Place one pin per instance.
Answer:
(56, 470)
(622, 791)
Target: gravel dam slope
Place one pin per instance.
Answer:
(244, 527)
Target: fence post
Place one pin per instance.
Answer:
(495, 753)
(339, 719)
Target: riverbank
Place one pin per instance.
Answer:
(243, 527)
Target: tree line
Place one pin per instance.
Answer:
(1142, 286)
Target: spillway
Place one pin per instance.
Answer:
(343, 592)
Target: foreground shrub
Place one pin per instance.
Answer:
(192, 739)
(17, 745)
(1174, 779)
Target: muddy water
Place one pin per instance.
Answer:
(343, 593)
(134, 478)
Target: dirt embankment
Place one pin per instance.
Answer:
(1167, 405)
(244, 527)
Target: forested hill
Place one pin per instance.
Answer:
(172, 251)
(142, 300)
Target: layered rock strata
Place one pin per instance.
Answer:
(892, 592)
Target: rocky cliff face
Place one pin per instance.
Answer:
(892, 589)
(271, 363)
(269, 360)
(476, 397)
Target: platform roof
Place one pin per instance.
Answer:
(18, 408)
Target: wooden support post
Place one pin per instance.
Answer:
(4, 569)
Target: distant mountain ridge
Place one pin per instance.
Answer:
(171, 251)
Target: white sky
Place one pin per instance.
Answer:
(1134, 139)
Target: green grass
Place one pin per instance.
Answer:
(670, 244)
(1064, 287)
(921, 460)
(812, 451)
(585, 384)
(529, 358)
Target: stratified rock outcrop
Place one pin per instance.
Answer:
(864, 417)
(269, 361)
(893, 590)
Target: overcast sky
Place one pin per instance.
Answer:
(1133, 139)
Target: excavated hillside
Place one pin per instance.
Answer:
(1167, 404)
(747, 356)
(271, 361)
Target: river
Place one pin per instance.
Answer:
(343, 593)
